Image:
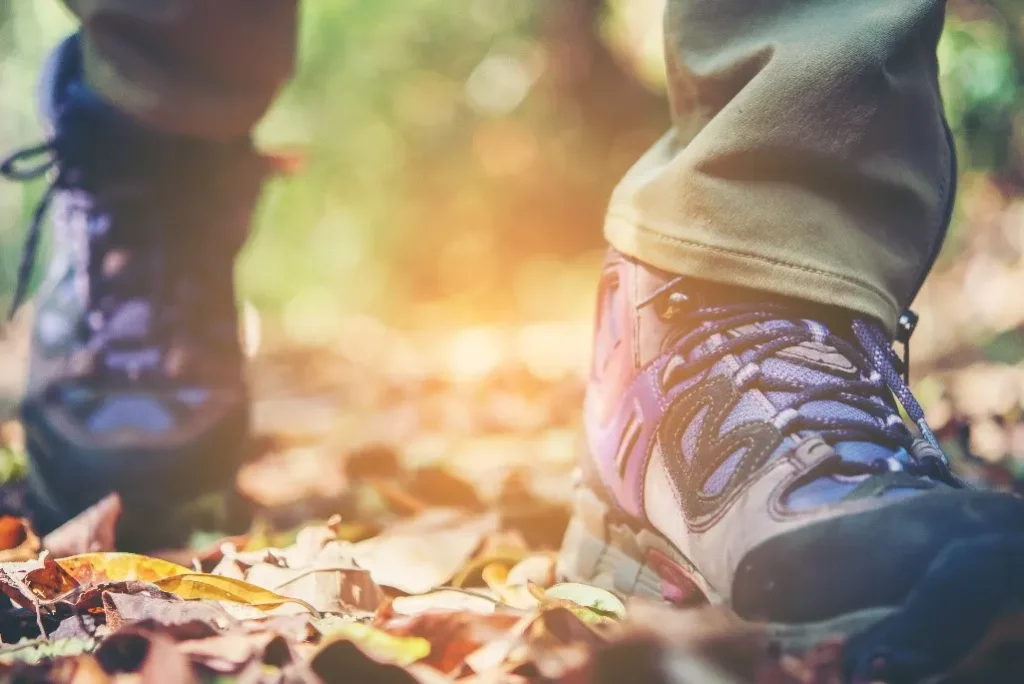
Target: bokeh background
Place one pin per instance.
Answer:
(459, 156)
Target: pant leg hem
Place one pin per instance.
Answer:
(760, 272)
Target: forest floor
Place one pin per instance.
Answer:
(411, 493)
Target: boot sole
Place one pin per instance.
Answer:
(601, 550)
(641, 563)
(154, 486)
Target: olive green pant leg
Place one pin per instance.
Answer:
(809, 155)
(204, 68)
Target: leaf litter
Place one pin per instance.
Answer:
(382, 566)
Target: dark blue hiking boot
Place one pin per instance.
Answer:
(136, 378)
(750, 451)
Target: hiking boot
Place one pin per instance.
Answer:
(749, 450)
(136, 373)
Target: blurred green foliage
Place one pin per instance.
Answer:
(459, 154)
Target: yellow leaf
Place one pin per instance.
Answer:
(496, 576)
(600, 602)
(472, 569)
(17, 540)
(402, 651)
(118, 567)
(195, 585)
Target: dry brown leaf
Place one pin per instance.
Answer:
(424, 552)
(124, 609)
(50, 581)
(94, 529)
(335, 590)
(17, 540)
(229, 567)
(397, 497)
(308, 545)
(452, 635)
(373, 460)
(493, 654)
(343, 662)
(81, 669)
(438, 486)
(693, 627)
(151, 656)
(226, 653)
(714, 631)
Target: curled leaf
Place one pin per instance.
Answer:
(215, 588)
(17, 540)
(118, 567)
(444, 599)
(92, 530)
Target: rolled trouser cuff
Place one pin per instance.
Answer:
(666, 250)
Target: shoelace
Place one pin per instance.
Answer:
(869, 352)
(96, 342)
(59, 155)
(48, 155)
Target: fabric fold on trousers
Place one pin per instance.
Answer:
(809, 157)
(201, 68)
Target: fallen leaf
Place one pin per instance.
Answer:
(541, 522)
(295, 628)
(444, 599)
(424, 552)
(50, 581)
(342, 662)
(496, 576)
(118, 567)
(229, 567)
(151, 656)
(439, 486)
(84, 669)
(333, 590)
(17, 540)
(351, 530)
(225, 653)
(379, 644)
(538, 568)
(397, 497)
(714, 632)
(497, 651)
(309, 542)
(124, 609)
(452, 635)
(472, 573)
(570, 625)
(639, 659)
(373, 460)
(512, 586)
(214, 588)
(598, 600)
(94, 529)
